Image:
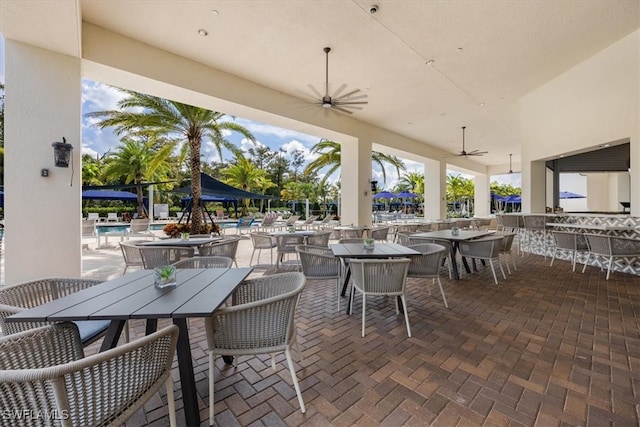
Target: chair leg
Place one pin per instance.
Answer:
(501, 269)
(514, 262)
(294, 378)
(171, 403)
(364, 310)
(444, 298)
(251, 259)
(586, 262)
(553, 257)
(609, 267)
(573, 261)
(406, 314)
(211, 388)
(506, 262)
(495, 279)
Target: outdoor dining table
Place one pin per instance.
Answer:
(346, 251)
(455, 240)
(198, 293)
(192, 242)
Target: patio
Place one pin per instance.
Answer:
(546, 347)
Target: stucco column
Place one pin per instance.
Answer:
(435, 189)
(355, 172)
(533, 186)
(42, 214)
(481, 199)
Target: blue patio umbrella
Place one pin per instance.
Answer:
(570, 195)
(384, 195)
(406, 195)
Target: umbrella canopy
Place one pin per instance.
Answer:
(513, 198)
(570, 195)
(384, 195)
(406, 195)
(498, 197)
(108, 195)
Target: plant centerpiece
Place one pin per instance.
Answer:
(165, 276)
(369, 243)
(184, 236)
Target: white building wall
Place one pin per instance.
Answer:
(42, 215)
(593, 103)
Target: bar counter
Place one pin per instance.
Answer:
(622, 225)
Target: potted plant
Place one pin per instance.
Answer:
(165, 276)
(369, 243)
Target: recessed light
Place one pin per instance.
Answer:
(203, 32)
(431, 62)
(481, 104)
(605, 145)
(459, 49)
(215, 12)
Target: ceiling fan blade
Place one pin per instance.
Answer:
(348, 94)
(337, 93)
(351, 103)
(315, 91)
(476, 153)
(344, 110)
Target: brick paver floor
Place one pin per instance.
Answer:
(546, 347)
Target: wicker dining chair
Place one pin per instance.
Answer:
(380, 277)
(487, 249)
(44, 372)
(204, 262)
(260, 241)
(427, 265)
(567, 241)
(286, 244)
(380, 234)
(131, 254)
(319, 263)
(319, 238)
(159, 256)
(226, 247)
(22, 296)
(260, 321)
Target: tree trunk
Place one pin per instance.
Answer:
(196, 188)
(140, 200)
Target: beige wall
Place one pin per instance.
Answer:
(42, 104)
(593, 103)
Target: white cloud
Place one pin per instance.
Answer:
(295, 145)
(90, 151)
(99, 97)
(266, 129)
(246, 144)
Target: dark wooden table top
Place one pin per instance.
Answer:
(198, 293)
(380, 250)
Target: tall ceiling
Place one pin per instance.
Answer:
(486, 54)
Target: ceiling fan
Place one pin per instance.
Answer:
(465, 153)
(338, 101)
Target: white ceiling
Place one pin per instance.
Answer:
(490, 52)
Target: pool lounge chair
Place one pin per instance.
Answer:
(244, 224)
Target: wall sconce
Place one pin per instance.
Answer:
(62, 153)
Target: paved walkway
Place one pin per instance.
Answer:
(546, 347)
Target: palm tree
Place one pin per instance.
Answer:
(136, 161)
(329, 156)
(244, 174)
(163, 117)
(412, 181)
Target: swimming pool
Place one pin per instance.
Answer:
(107, 228)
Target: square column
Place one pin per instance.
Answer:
(481, 196)
(355, 173)
(43, 104)
(435, 189)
